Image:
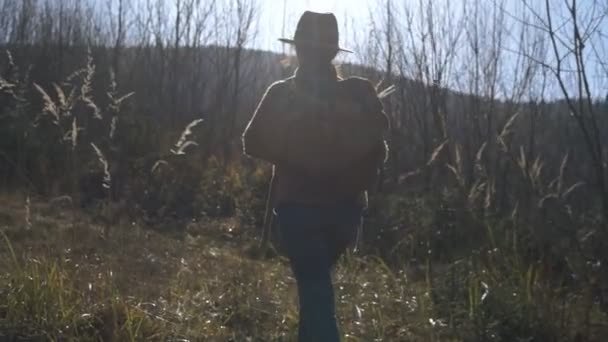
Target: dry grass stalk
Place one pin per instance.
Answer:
(10, 60)
(91, 105)
(565, 194)
(432, 161)
(107, 177)
(387, 92)
(87, 87)
(490, 192)
(506, 131)
(6, 86)
(522, 161)
(182, 149)
(113, 125)
(536, 171)
(74, 134)
(183, 143)
(475, 192)
(115, 100)
(157, 166)
(28, 213)
(479, 156)
(63, 101)
(457, 169)
(562, 171)
(436, 153)
(49, 105)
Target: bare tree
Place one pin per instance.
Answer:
(570, 40)
(119, 34)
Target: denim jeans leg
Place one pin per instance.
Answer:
(304, 234)
(317, 308)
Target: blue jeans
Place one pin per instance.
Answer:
(314, 239)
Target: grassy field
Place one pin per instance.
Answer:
(63, 280)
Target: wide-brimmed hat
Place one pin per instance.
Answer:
(317, 30)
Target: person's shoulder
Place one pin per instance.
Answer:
(359, 85)
(280, 87)
(364, 92)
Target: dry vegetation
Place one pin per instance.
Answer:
(69, 282)
(127, 211)
(63, 280)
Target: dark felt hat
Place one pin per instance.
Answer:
(317, 30)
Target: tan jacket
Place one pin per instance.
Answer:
(266, 138)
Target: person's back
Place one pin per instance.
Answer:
(324, 136)
(311, 169)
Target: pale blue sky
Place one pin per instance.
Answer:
(277, 18)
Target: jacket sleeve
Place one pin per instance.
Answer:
(263, 136)
(369, 165)
(364, 92)
(362, 174)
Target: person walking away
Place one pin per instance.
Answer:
(324, 136)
